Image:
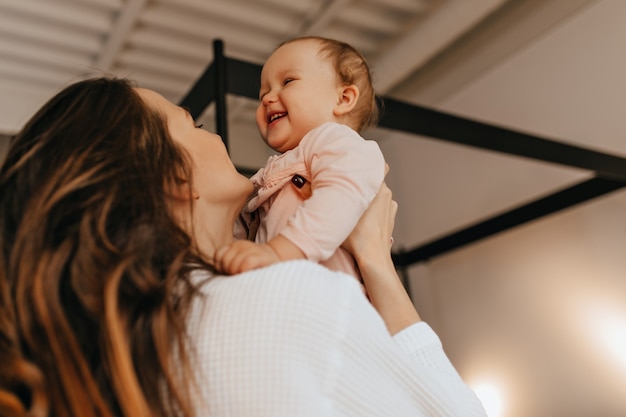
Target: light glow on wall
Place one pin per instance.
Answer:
(608, 325)
(491, 397)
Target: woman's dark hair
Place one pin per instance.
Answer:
(94, 270)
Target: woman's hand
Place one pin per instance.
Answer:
(371, 238)
(370, 244)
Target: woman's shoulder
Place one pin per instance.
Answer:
(301, 274)
(282, 282)
(293, 288)
(285, 309)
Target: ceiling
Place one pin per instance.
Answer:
(166, 44)
(421, 51)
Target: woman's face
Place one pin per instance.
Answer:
(215, 179)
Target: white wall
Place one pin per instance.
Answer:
(21, 107)
(539, 312)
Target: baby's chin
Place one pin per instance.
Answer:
(278, 146)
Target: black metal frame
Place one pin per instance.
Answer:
(227, 75)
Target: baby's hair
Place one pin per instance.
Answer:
(351, 68)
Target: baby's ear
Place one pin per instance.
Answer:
(348, 96)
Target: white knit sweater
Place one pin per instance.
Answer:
(295, 339)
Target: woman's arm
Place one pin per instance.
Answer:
(370, 244)
(429, 379)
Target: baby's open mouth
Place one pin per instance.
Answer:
(275, 116)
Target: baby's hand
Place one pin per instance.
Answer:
(243, 255)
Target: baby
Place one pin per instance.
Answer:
(316, 95)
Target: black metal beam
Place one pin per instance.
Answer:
(560, 200)
(430, 123)
(244, 78)
(221, 82)
(201, 94)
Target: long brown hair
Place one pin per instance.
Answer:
(94, 270)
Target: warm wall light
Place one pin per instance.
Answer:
(491, 397)
(614, 335)
(609, 325)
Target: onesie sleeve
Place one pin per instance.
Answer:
(346, 171)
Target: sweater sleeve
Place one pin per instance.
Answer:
(295, 339)
(346, 172)
(408, 374)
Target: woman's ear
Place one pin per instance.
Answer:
(181, 190)
(348, 96)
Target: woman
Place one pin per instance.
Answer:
(112, 205)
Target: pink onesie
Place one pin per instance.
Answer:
(345, 172)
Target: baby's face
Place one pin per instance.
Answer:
(299, 92)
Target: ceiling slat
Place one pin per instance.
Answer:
(34, 53)
(364, 42)
(442, 27)
(277, 20)
(174, 43)
(173, 47)
(111, 5)
(161, 83)
(204, 27)
(49, 33)
(40, 74)
(175, 67)
(407, 6)
(124, 24)
(373, 20)
(301, 6)
(321, 17)
(77, 14)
